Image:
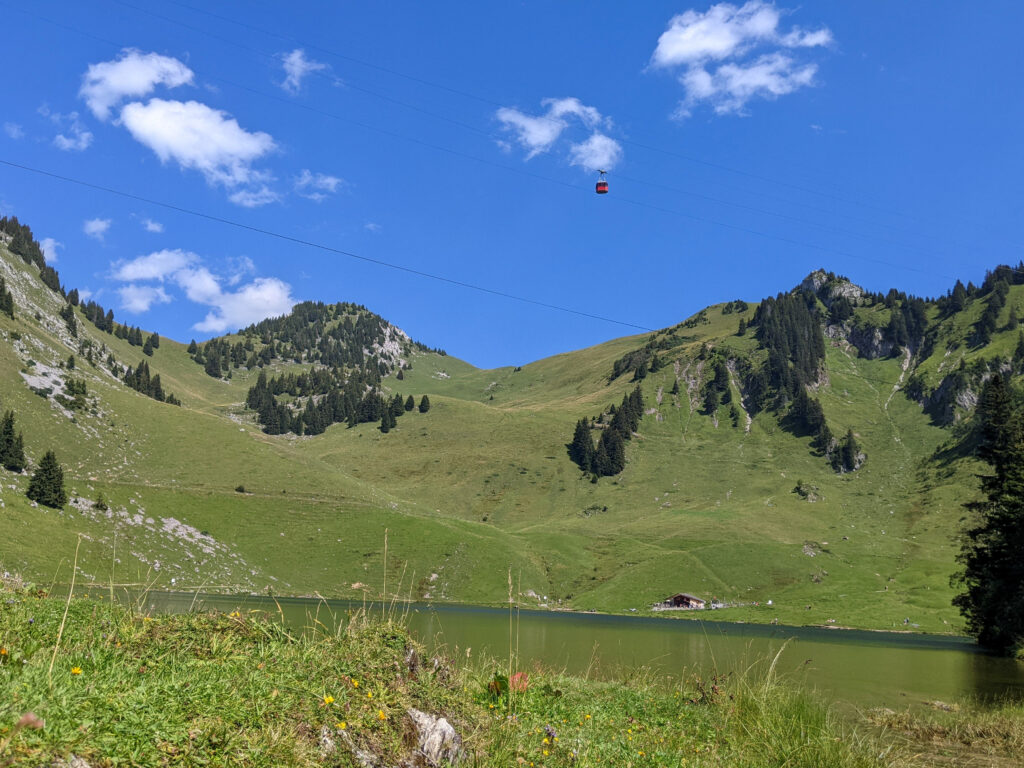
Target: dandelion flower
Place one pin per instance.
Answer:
(355, 683)
(545, 741)
(545, 753)
(341, 726)
(3, 651)
(586, 717)
(328, 700)
(76, 670)
(381, 715)
(369, 694)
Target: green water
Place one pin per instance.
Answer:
(863, 668)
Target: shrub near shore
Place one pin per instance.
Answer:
(240, 689)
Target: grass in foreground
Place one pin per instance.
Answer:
(240, 690)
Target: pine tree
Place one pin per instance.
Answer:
(213, 365)
(12, 450)
(193, 347)
(581, 449)
(410, 402)
(424, 404)
(992, 578)
(743, 327)
(47, 483)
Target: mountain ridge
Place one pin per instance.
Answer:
(737, 505)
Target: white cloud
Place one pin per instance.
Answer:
(139, 298)
(731, 86)
(254, 198)
(152, 226)
(154, 266)
(296, 67)
(84, 294)
(599, 152)
(49, 247)
(372, 226)
(96, 227)
(133, 75)
(198, 137)
(262, 298)
(14, 131)
(717, 50)
(539, 133)
(230, 309)
(316, 186)
(240, 267)
(79, 139)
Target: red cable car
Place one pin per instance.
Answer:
(602, 183)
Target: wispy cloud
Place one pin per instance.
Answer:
(316, 186)
(539, 133)
(730, 55)
(296, 68)
(372, 226)
(152, 226)
(49, 247)
(96, 228)
(134, 74)
(14, 131)
(78, 139)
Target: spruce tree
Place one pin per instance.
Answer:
(581, 449)
(424, 404)
(147, 348)
(992, 578)
(47, 484)
(12, 450)
(410, 402)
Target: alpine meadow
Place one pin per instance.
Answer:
(815, 450)
(545, 385)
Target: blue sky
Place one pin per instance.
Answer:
(747, 144)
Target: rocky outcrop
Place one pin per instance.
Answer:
(870, 343)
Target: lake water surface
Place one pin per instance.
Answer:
(869, 669)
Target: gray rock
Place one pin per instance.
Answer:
(437, 743)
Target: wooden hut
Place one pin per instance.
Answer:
(683, 600)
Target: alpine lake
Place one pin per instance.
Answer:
(861, 668)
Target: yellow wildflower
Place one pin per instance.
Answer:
(76, 670)
(328, 700)
(545, 753)
(545, 741)
(381, 715)
(355, 683)
(369, 694)
(3, 651)
(586, 717)
(341, 726)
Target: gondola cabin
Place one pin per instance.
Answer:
(602, 184)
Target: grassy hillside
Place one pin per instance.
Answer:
(481, 486)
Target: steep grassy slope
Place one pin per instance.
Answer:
(481, 486)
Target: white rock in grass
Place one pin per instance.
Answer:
(437, 742)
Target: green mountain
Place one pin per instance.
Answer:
(817, 460)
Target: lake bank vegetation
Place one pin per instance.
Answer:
(113, 686)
